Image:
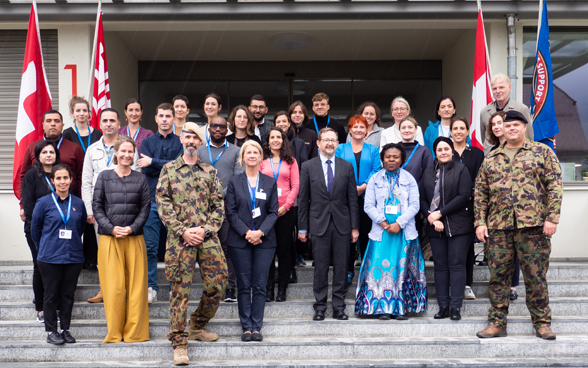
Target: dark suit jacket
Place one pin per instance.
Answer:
(315, 207)
(238, 210)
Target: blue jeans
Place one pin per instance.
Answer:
(251, 266)
(151, 234)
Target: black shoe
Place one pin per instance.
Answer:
(319, 316)
(401, 317)
(246, 336)
(281, 294)
(513, 295)
(455, 315)
(256, 336)
(269, 293)
(385, 317)
(69, 339)
(293, 277)
(340, 315)
(55, 338)
(443, 313)
(230, 296)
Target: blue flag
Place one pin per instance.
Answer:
(542, 106)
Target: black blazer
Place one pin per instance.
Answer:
(315, 207)
(298, 150)
(238, 210)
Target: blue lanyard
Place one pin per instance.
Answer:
(137, 132)
(58, 144)
(276, 176)
(65, 220)
(412, 153)
(390, 194)
(219, 155)
(49, 183)
(316, 126)
(80, 137)
(252, 195)
(109, 156)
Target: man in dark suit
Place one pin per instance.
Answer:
(329, 213)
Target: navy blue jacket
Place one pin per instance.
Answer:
(238, 211)
(161, 150)
(45, 227)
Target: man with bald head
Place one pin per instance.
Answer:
(223, 156)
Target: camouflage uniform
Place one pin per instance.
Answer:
(190, 197)
(514, 200)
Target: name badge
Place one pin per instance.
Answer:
(391, 210)
(64, 234)
(260, 195)
(279, 192)
(256, 212)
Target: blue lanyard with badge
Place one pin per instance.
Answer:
(411, 154)
(49, 183)
(63, 233)
(316, 125)
(109, 155)
(137, 132)
(80, 137)
(254, 195)
(276, 176)
(219, 155)
(391, 201)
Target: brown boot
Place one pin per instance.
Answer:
(491, 331)
(201, 334)
(97, 299)
(546, 333)
(181, 356)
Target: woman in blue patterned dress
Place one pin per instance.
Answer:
(392, 279)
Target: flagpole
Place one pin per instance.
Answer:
(93, 59)
(539, 24)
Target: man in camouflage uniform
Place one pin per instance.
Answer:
(190, 204)
(517, 206)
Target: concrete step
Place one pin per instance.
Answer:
(312, 348)
(23, 275)
(302, 308)
(300, 328)
(295, 291)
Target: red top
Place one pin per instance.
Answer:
(288, 180)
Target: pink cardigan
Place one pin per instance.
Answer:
(288, 180)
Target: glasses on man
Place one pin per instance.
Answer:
(218, 126)
(256, 107)
(319, 104)
(329, 141)
(399, 109)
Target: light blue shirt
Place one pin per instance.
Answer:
(325, 166)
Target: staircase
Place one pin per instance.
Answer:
(291, 338)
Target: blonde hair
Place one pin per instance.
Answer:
(244, 147)
(400, 99)
(410, 119)
(119, 141)
(500, 76)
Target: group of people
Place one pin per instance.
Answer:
(235, 195)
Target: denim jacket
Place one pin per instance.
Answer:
(375, 197)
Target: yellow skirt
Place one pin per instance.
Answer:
(123, 279)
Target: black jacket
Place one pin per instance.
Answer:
(298, 149)
(455, 205)
(321, 122)
(121, 201)
(472, 158)
(231, 139)
(34, 187)
(420, 161)
(309, 138)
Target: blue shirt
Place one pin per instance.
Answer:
(161, 150)
(45, 227)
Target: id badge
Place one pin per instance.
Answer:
(279, 192)
(64, 234)
(391, 210)
(256, 212)
(260, 195)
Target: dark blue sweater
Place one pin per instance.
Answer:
(161, 150)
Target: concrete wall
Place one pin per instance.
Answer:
(122, 72)
(458, 72)
(13, 246)
(570, 239)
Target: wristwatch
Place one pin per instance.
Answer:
(207, 234)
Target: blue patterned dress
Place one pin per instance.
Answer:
(392, 277)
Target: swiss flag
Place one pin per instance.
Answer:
(34, 100)
(101, 95)
(481, 94)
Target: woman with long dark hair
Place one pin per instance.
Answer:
(242, 126)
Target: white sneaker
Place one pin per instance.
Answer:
(468, 294)
(151, 295)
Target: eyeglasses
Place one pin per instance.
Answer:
(255, 107)
(399, 109)
(319, 104)
(329, 140)
(218, 126)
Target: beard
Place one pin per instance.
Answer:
(188, 152)
(217, 141)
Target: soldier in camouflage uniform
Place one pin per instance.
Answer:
(190, 204)
(518, 196)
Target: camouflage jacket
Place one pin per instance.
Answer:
(523, 194)
(189, 197)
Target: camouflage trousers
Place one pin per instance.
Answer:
(180, 263)
(532, 249)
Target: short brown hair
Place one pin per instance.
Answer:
(411, 119)
(250, 128)
(320, 96)
(490, 137)
(459, 118)
(119, 141)
(326, 130)
(165, 106)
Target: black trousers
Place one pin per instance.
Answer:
(60, 282)
(470, 260)
(365, 225)
(38, 288)
(284, 227)
(90, 245)
(331, 245)
(449, 257)
(301, 247)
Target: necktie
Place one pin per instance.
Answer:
(329, 176)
